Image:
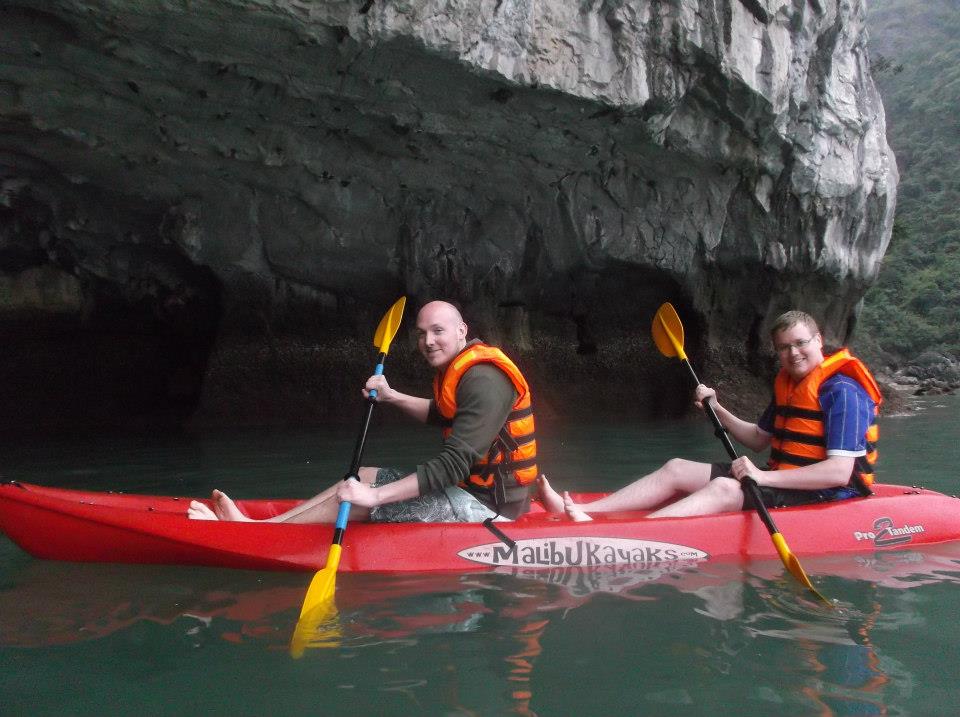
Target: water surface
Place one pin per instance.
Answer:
(720, 639)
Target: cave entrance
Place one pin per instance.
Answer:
(608, 365)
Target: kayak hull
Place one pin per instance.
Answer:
(84, 526)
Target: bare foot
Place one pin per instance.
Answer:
(223, 509)
(573, 510)
(551, 500)
(200, 511)
(226, 509)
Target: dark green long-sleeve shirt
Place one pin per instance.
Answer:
(485, 396)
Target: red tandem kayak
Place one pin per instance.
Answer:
(61, 524)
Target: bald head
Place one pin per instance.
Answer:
(439, 309)
(441, 333)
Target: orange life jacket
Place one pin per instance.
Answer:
(511, 461)
(798, 436)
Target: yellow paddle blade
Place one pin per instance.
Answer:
(324, 583)
(318, 628)
(668, 332)
(793, 565)
(387, 328)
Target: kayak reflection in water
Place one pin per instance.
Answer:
(488, 461)
(820, 427)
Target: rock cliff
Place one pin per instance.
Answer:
(176, 173)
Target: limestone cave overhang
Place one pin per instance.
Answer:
(176, 174)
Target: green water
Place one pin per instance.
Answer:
(724, 639)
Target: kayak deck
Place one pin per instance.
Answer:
(64, 524)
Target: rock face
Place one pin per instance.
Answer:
(189, 171)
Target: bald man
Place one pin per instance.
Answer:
(487, 465)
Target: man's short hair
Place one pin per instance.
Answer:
(789, 319)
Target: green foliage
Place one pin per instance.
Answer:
(915, 58)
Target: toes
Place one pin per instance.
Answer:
(199, 511)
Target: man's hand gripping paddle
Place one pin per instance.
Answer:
(668, 336)
(318, 606)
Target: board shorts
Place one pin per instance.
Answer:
(785, 497)
(452, 505)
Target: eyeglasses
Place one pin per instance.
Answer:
(798, 345)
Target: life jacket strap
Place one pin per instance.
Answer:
(499, 534)
(501, 492)
(797, 437)
(520, 413)
(512, 416)
(793, 412)
(507, 440)
(485, 469)
(777, 457)
(862, 475)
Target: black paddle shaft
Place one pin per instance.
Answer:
(748, 484)
(365, 426)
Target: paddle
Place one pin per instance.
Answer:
(668, 336)
(322, 586)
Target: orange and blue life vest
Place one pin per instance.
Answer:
(799, 438)
(511, 461)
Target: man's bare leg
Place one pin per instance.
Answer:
(718, 496)
(321, 508)
(675, 476)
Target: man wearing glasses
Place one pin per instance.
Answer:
(820, 428)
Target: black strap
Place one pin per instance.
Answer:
(861, 466)
(796, 437)
(520, 413)
(507, 440)
(512, 416)
(794, 412)
(504, 444)
(485, 469)
(783, 457)
(503, 537)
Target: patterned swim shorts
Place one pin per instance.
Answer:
(453, 505)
